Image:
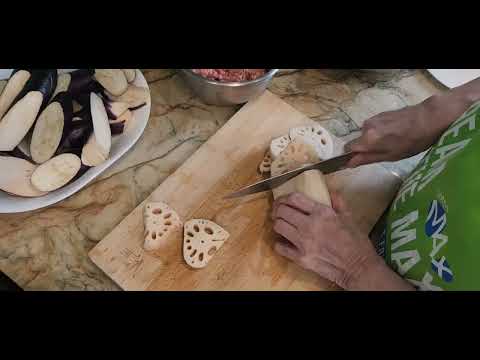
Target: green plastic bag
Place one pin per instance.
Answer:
(432, 237)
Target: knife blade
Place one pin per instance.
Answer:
(327, 166)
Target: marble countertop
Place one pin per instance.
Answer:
(47, 249)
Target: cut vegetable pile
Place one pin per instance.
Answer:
(201, 238)
(53, 127)
(302, 146)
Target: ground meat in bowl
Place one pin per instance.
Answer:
(230, 75)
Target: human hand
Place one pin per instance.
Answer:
(399, 134)
(323, 239)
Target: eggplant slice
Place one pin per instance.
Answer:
(18, 121)
(112, 80)
(92, 153)
(130, 74)
(56, 172)
(15, 85)
(101, 125)
(126, 117)
(63, 84)
(3, 84)
(24, 146)
(135, 97)
(24, 110)
(115, 109)
(15, 177)
(51, 127)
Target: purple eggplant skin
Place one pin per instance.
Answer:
(105, 98)
(137, 107)
(20, 154)
(81, 81)
(76, 138)
(66, 102)
(106, 103)
(84, 113)
(117, 128)
(43, 80)
(83, 97)
(17, 153)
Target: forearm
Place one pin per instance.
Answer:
(375, 275)
(443, 109)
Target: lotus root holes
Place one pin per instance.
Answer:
(200, 257)
(319, 132)
(196, 228)
(189, 248)
(323, 141)
(154, 235)
(209, 231)
(168, 223)
(193, 253)
(167, 216)
(157, 211)
(190, 234)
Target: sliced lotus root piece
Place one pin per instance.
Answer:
(266, 163)
(278, 145)
(160, 221)
(318, 135)
(201, 240)
(296, 155)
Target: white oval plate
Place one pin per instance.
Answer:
(452, 78)
(120, 145)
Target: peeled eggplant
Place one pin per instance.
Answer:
(101, 126)
(3, 84)
(15, 177)
(135, 96)
(112, 80)
(25, 108)
(130, 74)
(53, 125)
(115, 108)
(92, 153)
(15, 85)
(125, 118)
(56, 172)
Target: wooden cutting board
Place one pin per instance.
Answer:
(228, 161)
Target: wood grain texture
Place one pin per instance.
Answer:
(228, 161)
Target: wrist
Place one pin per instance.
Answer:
(441, 110)
(361, 270)
(373, 274)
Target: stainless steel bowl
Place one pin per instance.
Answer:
(226, 93)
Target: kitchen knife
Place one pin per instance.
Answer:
(326, 167)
